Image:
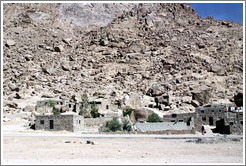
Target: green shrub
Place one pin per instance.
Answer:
(126, 125)
(127, 112)
(113, 124)
(154, 118)
(57, 111)
(106, 130)
(84, 104)
(52, 103)
(94, 111)
(239, 99)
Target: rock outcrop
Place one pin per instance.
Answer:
(152, 49)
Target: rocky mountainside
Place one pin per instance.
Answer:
(121, 52)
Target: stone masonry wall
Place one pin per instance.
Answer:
(60, 122)
(163, 126)
(179, 117)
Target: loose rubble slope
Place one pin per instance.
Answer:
(145, 50)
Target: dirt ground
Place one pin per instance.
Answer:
(21, 146)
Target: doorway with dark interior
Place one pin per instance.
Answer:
(51, 124)
(211, 121)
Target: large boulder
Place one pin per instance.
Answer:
(140, 114)
(195, 103)
(132, 100)
(29, 108)
(201, 94)
(64, 109)
(158, 90)
(10, 43)
(164, 99)
(218, 70)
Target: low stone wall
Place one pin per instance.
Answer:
(163, 126)
(90, 122)
(101, 121)
(169, 132)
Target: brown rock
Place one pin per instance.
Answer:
(140, 113)
(202, 95)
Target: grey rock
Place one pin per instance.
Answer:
(59, 48)
(12, 105)
(47, 95)
(65, 67)
(202, 94)
(28, 57)
(195, 103)
(10, 43)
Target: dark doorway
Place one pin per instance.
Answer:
(51, 124)
(211, 121)
(74, 108)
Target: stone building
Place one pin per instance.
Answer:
(226, 122)
(184, 117)
(233, 124)
(209, 115)
(44, 105)
(69, 122)
(106, 108)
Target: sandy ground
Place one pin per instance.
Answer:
(21, 146)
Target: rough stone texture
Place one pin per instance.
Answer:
(140, 114)
(185, 117)
(151, 49)
(202, 95)
(219, 116)
(60, 122)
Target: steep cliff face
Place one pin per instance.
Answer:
(112, 50)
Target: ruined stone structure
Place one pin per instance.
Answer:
(69, 122)
(106, 108)
(184, 117)
(44, 105)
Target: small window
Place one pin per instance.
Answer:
(212, 110)
(41, 121)
(219, 110)
(107, 107)
(204, 118)
(69, 105)
(60, 103)
(172, 120)
(231, 123)
(79, 121)
(202, 111)
(241, 122)
(174, 115)
(181, 120)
